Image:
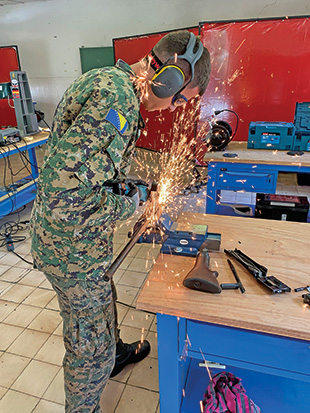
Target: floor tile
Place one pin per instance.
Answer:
(154, 325)
(8, 334)
(4, 268)
(121, 312)
(148, 251)
(58, 330)
(152, 338)
(39, 297)
(125, 264)
(134, 251)
(136, 318)
(140, 265)
(126, 294)
(6, 307)
(132, 278)
(111, 395)
(28, 343)
(14, 274)
(130, 334)
(5, 287)
(18, 293)
(11, 367)
(34, 278)
(55, 392)
(23, 248)
(118, 275)
(14, 401)
(36, 378)
(3, 390)
(145, 374)
(52, 351)
(53, 304)
(48, 407)
(23, 315)
(136, 400)
(9, 259)
(46, 284)
(47, 321)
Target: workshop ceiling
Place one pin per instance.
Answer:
(7, 2)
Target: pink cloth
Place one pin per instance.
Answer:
(225, 394)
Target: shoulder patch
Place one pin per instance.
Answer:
(117, 120)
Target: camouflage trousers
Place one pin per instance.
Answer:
(90, 333)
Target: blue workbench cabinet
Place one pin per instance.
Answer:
(275, 370)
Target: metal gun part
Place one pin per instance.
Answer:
(259, 271)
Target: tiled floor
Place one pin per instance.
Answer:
(31, 346)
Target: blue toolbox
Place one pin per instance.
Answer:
(302, 126)
(271, 135)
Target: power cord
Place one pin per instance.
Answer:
(8, 237)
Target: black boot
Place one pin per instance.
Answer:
(128, 354)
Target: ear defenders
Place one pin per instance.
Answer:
(168, 78)
(219, 136)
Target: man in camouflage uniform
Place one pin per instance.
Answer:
(93, 136)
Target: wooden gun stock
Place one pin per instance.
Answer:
(201, 278)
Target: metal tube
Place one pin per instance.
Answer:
(125, 251)
(145, 222)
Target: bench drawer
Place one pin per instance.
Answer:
(239, 179)
(249, 346)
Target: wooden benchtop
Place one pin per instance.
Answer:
(36, 138)
(257, 155)
(283, 247)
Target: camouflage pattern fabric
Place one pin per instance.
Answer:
(88, 331)
(93, 136)
(73, 217)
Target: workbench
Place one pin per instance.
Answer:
(23, 191)
(262, 338)
(253, 170)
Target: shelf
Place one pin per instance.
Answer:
(14, 200)
(271, 393)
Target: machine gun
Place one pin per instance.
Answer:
(259, 272)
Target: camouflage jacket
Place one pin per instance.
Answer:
(93, 136)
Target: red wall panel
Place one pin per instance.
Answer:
(8, 62)
(260, 69)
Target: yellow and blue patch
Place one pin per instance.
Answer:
(117, 120)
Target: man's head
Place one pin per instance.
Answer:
(166, 53)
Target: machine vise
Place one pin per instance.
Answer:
(181, 238)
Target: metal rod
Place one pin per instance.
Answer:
(144, 222)
(233, 269)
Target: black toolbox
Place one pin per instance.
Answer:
(282, 207)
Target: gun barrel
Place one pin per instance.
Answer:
(144, 223)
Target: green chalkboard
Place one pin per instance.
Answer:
(96, 57)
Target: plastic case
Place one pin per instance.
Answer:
(302, 126)
(282, 207)
(271, 135)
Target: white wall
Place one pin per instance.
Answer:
(49, 33)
